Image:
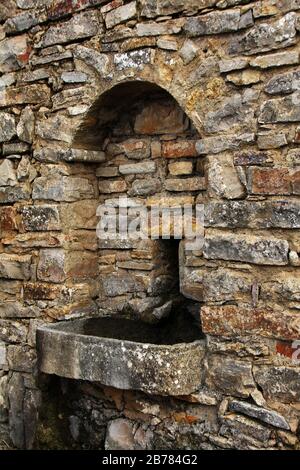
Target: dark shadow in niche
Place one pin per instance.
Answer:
(121, 103)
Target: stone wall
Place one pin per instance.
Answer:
(86, 90)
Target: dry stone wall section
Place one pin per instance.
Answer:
(86, 90)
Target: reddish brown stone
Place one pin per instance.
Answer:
(7, 219)
(286, 348)
(270, 181)
(61, 8)
(295, 180)
(230, 320)
(161, 118)
(184, 148)
(252, 158)
(40, 291)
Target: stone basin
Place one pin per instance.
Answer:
(124, 354)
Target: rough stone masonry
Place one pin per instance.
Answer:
(168, 102)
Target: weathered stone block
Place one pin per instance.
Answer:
(63, 189)
(276, 60)
(7, 173)
(245, 77)
(74, 77)
(267, 416)
(260, 38)
(80, 214)
(188, 51)
(229, 375)
(249, 249)
(285, 109)
(23, 21)
(228, 65)
(80, 26)
(243, 214)
(7, 127)
(154, 8)
(271, 140)
(22, 192)
(180, 168)
(120, 435)
(230, 321)
(184, 148)
(270, 181)
(14, 53)
(223, 179)
(31, 94)
(120, 14)
(40, 218)
(221, 143)
(116, 186)
(82, 265)
(218, 22)
(196, 183)
(121, 283)
(51, 266)
(145, 187)
(136, 149)
(133, 59)
(158, 29)
(15, 266)
(14, 309)
(279, 383)
(283, 83)
(161, 118)
(233, 112)
(93, 59)
(137, 168)
(25, 127)
(21, 358)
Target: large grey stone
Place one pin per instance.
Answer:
(229, 375)
(285, 109)
(137, 168)
(15, 266)
(7, 173)
(116, 360)
(133, 59)
(266, 37)
(12, 53)
(7, 126)
(284, 83)
(92, 58)
(80, 26)
(262, 414)
(120, 14)
(232, 113)
(25, 127)
(218, 22)
(23, 21)
(56, 127)
(249, 249)
(279, 382)
(225, 142)
(40, 218)
(153, 8)
(223, 179)
(62, 189)
(252, 214)
(9, 194)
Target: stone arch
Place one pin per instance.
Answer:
(154, 159)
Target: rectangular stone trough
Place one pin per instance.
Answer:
(121, 353)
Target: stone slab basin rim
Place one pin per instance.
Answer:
(167, 369)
